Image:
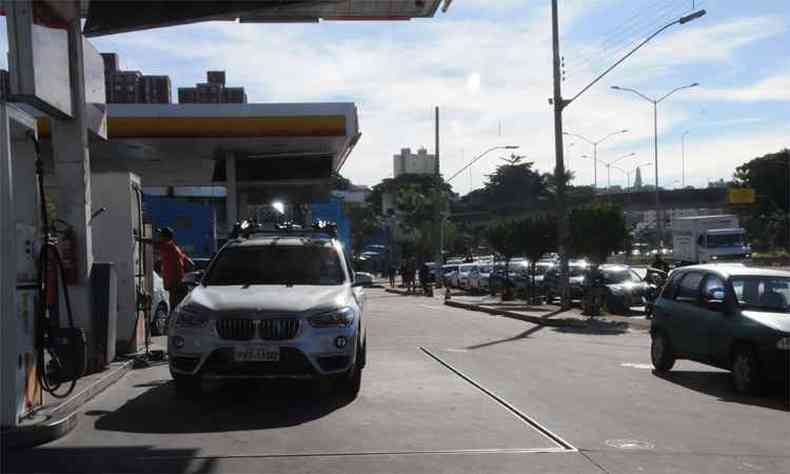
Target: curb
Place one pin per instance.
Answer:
(60, 420)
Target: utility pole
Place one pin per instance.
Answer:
(559, 167)
(683, 159)
(437, 207)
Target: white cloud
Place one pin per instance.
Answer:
(473, 83)
(775, 88)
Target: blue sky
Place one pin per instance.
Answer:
(487, 64)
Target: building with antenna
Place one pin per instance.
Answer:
(407, 162)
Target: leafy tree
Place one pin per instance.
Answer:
(340, 183)
(597, 230)
(768, 175)
(537, 237)
(364, 224)
(515, 184)
(502, 236)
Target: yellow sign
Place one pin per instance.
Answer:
(741, 196)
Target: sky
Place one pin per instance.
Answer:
(487, 65)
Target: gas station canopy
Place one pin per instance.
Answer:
(115, 16)
(276, 147)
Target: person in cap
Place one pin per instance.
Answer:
(174, 263)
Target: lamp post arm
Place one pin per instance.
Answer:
(609, 69)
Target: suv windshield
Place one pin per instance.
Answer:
(277, 265)
(762, 293)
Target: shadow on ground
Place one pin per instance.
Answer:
(719, 385)
(517, 337)
(115, 459)
(221, 407)
(596, 327)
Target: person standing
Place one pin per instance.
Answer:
(174, 263)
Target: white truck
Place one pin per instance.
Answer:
(706, 239)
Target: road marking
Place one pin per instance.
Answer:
(564, 445)
(629, 444)
(365, 453)
(636, 366)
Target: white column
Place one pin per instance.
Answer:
(231, 191)
(72, 174)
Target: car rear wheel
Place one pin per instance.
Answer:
(661, 352)
(746, 371)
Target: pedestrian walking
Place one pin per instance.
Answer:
(391, 274)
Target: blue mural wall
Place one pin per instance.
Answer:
(194, 223)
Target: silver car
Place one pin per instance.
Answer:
(272, 306)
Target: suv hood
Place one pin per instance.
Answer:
(776, 321)
(293, 299)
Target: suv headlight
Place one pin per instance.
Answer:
(783, 344)
(338, 318)
(192, 316)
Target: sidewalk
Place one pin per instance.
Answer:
(58, 416)
(545, 314)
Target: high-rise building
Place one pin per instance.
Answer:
(212, 92)
(156, 89)
(133, 87)
(407, 162)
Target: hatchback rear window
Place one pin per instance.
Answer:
(762, 293)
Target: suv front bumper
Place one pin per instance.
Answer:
(313, 352)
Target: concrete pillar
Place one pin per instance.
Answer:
(231, 191)
(72, 174)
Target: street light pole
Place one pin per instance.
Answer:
(559, 105)
(683, 159)
(609, 170)
(595, 144)
(655, 102)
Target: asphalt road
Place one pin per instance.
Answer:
(446, 390)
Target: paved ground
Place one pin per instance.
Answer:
(446, 390)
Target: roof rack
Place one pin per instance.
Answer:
(247, 228)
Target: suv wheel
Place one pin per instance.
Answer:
(187, 385)
(746, 371)
(661, 352)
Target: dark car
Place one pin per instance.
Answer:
(733, 317)
(624, 288)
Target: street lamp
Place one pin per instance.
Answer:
(609, 166)
(499, 147)
(655, 103)
(628, 173)
(559, 104)
(595, 144)
(683, 158)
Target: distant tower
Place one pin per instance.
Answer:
(638, 179)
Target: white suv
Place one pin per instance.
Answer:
(272, 305)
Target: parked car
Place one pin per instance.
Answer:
(624, 288)
(363, 279)
(464, 271)
(516, 274)
(732, 317)
(450, 275)
(160, 309)
(479, 277)
(272, 306)
(577, 270)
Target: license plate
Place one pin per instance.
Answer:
(257, 354)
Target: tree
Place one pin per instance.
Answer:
(768, 175)
(517, 184)
(340, 183)
(596, 231)
(537, 236)
(502, 236)
(364, 224)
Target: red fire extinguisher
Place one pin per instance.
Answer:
(67, 246)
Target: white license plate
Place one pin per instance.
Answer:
(257, 354)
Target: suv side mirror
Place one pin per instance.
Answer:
(720, 306)
(192, 279)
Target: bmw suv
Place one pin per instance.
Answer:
(272, 305)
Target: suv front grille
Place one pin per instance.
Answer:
(278, 329)
(267, 329)
(236, 329)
